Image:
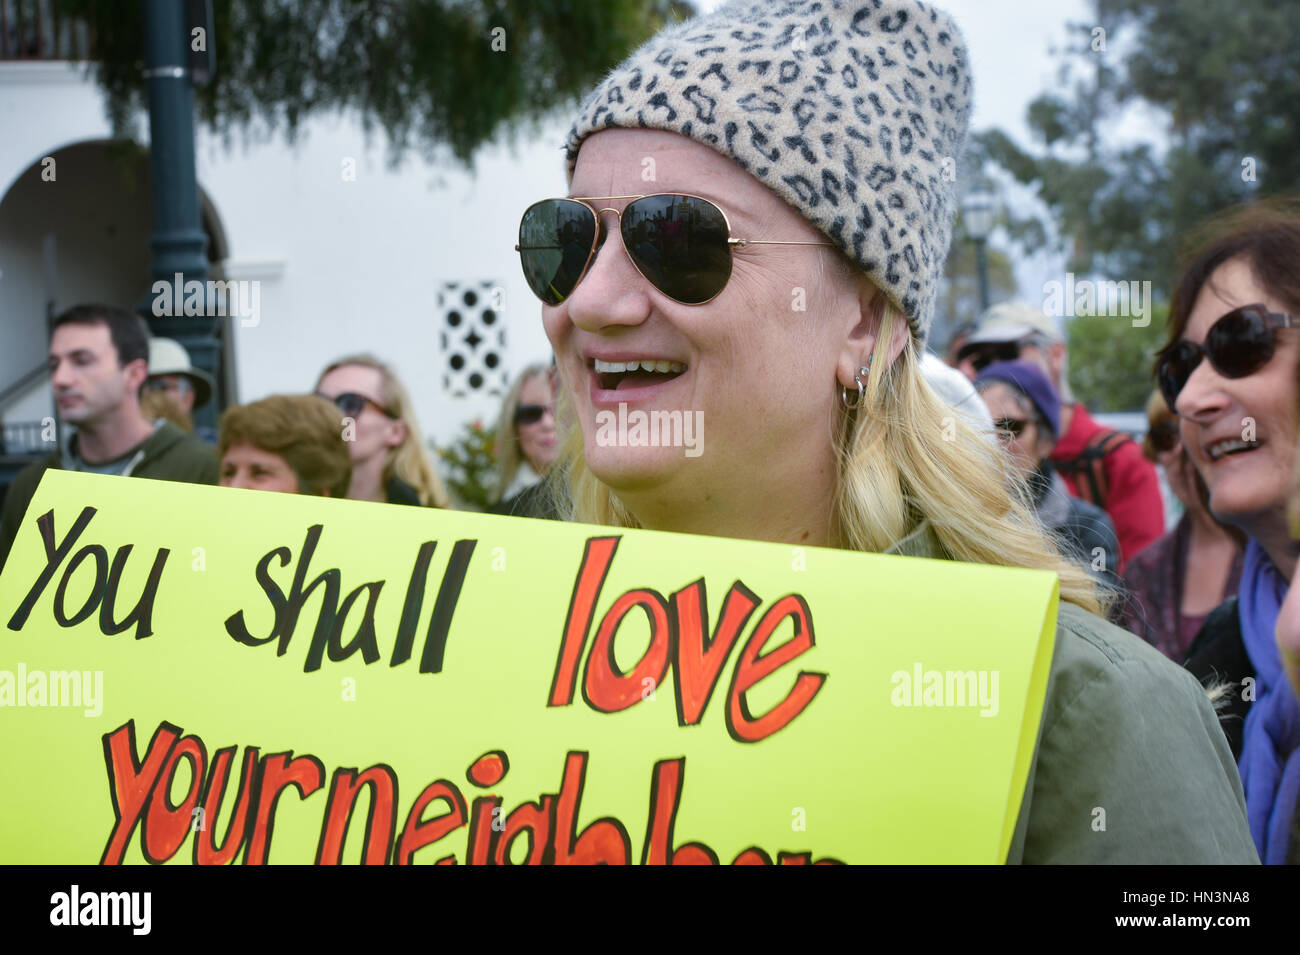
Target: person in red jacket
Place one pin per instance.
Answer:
(1101, 466)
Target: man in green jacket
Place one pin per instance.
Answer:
(99, 358)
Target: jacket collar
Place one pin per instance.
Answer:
(922, 542)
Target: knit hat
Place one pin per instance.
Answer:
(855, 113)
(1031, 380)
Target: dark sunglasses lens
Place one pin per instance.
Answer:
(1240, 343)
(555, 240)
(1011, 426)
(529, 414)
(350, 404)
(680, 245)
(1002, 351)
(1176, 366)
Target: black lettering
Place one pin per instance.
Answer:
(53, 557)
(235, 625)
(98, 552)
(453, 578)
(142, 614)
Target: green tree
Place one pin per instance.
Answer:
(470, 465)
(1111, 360)
(1221, 76)
(432, 74)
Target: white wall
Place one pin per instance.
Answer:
(343, 265)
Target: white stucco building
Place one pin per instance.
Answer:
(350, 255)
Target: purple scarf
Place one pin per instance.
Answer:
(1270, 750)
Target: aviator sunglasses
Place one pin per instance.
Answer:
(1238, 344)
(680, 244)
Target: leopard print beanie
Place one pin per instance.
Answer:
(853, 111)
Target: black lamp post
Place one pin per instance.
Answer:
(179, 243)
(978, 212)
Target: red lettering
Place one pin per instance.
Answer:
(605, 840)
(205, 852)
(699, 660)
(596, 558)
(482, 826)
(665, 796)
(754, 665)
(165, 825)
(380, 820)
(305, 773)
(419, 832)
(129, 783)
(605, 687)
(533, 819)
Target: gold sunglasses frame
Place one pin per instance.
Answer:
(732, 242)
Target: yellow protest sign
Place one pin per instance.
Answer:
(213, 675)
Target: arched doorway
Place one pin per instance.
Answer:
(74, 227)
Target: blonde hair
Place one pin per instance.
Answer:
(159, 404)
(509, 453)
(904, 457)
(410, 460)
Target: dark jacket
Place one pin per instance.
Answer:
(533, 501)
(1126, 731)
(1154, 579)
(169, 454)
(1218, 656)
(399, 492)
(1084, 531)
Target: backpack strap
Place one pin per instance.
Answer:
(1088, 465)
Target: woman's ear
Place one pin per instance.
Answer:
(860, 342)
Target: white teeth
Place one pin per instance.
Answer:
(661, 367)
(1221, 448)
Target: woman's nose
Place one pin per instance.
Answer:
(613, 292)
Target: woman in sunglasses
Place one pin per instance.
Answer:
(799, 153)
(1229, 371)
(1027, 418)
(1175, 582)
(389, 459)
(526, 446)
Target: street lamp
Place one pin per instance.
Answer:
(978, 212)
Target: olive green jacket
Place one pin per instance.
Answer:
(169, 454)
(1131, 764)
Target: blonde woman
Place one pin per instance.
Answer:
(389, 460)
(526, 446)
(784, 176)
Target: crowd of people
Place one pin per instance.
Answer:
(1169, 702)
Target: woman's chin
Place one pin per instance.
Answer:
(632, 469)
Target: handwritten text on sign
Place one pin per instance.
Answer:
(481, 676)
